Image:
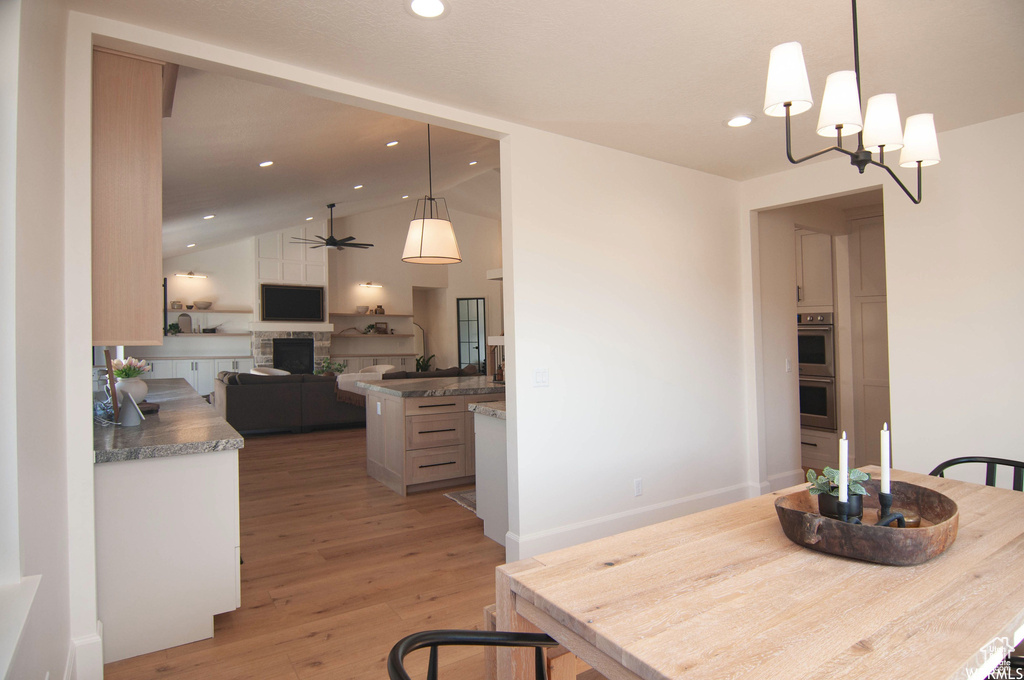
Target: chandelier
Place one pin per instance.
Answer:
(788, 93)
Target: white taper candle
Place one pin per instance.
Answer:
(844, 469)
(886, 462)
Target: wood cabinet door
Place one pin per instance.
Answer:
(127, 200)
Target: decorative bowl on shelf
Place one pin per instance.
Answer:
(202, 304)
(362, 309)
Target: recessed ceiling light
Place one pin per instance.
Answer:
(392, 143)
(358, 186)
(191, 245)
(308, 219)
(472, 162)
(406, 196)
(428, 9)
(740, 121)
(208, 217)
(266, 164)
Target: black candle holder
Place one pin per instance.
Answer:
(888, 517)
(843, 511)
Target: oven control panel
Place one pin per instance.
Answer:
(818, 318)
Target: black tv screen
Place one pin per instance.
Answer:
(291, 303)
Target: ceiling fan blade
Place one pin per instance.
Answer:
(354, 245)
(346, 239)
(317, 239)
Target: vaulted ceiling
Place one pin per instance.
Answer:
(653, 77)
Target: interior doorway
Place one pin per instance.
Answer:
(822, 259)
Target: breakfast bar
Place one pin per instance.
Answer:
(167, 523)
(724, 594)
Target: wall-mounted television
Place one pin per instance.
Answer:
(291, 303)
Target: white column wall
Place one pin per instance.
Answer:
(955, 290)
(37, 307)
(627, 293)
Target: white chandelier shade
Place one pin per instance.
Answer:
(787, 81)
(840, 106)
(882, 124)
(920, 145)
(431, 241)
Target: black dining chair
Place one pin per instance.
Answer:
(478, 638)
(992, 466)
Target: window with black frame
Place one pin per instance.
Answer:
(472, 333)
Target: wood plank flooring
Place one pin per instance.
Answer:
(337, 568)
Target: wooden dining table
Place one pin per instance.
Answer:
(724, 594)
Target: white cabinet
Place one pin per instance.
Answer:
(236, 365)
(161, 368)
(199, 373)
(813, 269)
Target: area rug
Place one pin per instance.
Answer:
(466, 499)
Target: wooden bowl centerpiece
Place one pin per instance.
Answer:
(798, 514)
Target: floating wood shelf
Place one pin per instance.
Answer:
(399, 316)
(210, 311)
(343, 334)
(208, 335)
(352, 355)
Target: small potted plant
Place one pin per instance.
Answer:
(328, 366)
(128, 374)
(826, 488)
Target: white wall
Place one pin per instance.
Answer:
(955, 290)
(619, 262)
(39, 327)
(230, 271)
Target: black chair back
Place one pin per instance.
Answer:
(991, 466)
(479, 638)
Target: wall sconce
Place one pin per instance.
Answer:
(370, 284)
(192, 275)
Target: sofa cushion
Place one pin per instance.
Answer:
(471, 369)
(396, 375)
(228, 377)
(250, 379)
(309, 377)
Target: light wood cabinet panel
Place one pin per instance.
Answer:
(431, 465)
(443, 429)
(127, 199)
(813, 269)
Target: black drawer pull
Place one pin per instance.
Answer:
(435, 405)
(451, 462)
(809, 444)
(450, 429)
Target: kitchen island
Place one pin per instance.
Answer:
(419, 433)
(491, 468)
(167, 523)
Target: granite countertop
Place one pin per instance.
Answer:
(494, 409)
(434, 387)
(185, 424)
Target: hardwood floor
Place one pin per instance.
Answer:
(337, 568)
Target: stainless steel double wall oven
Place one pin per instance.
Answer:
(816, 361)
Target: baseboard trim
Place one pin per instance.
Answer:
(85, 658)
(784, 480)
(520, 547)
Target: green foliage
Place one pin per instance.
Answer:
(330, 366)
(423, 363)
(173, 329)
(370, 327)
(829, 482)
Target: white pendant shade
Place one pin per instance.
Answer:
(882, 125)
(840, 105)
(431, 241)
(920, 142)
(787, 81)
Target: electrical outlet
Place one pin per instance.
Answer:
(378, 408)
(789, 366)
(638, 486)
(540, 378)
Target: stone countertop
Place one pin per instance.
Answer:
(186, 424)
(494, 409)
(434, 387)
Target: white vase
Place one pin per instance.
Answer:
(136, 387)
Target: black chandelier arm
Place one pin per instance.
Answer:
(892, 174)
(789, 144)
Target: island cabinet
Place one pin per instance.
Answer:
(418, 443)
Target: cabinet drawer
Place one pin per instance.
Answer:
(425, 405)
(431, 465)
(444, 429)
(817, 451)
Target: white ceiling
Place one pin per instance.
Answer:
(653, 77)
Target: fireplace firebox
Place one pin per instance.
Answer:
(294, 355)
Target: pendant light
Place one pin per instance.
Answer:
(431, 238)
(787, 93)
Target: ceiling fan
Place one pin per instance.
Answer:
(330, 241)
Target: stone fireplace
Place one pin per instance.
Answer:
(263, 345)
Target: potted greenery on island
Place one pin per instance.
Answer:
(826, 488)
